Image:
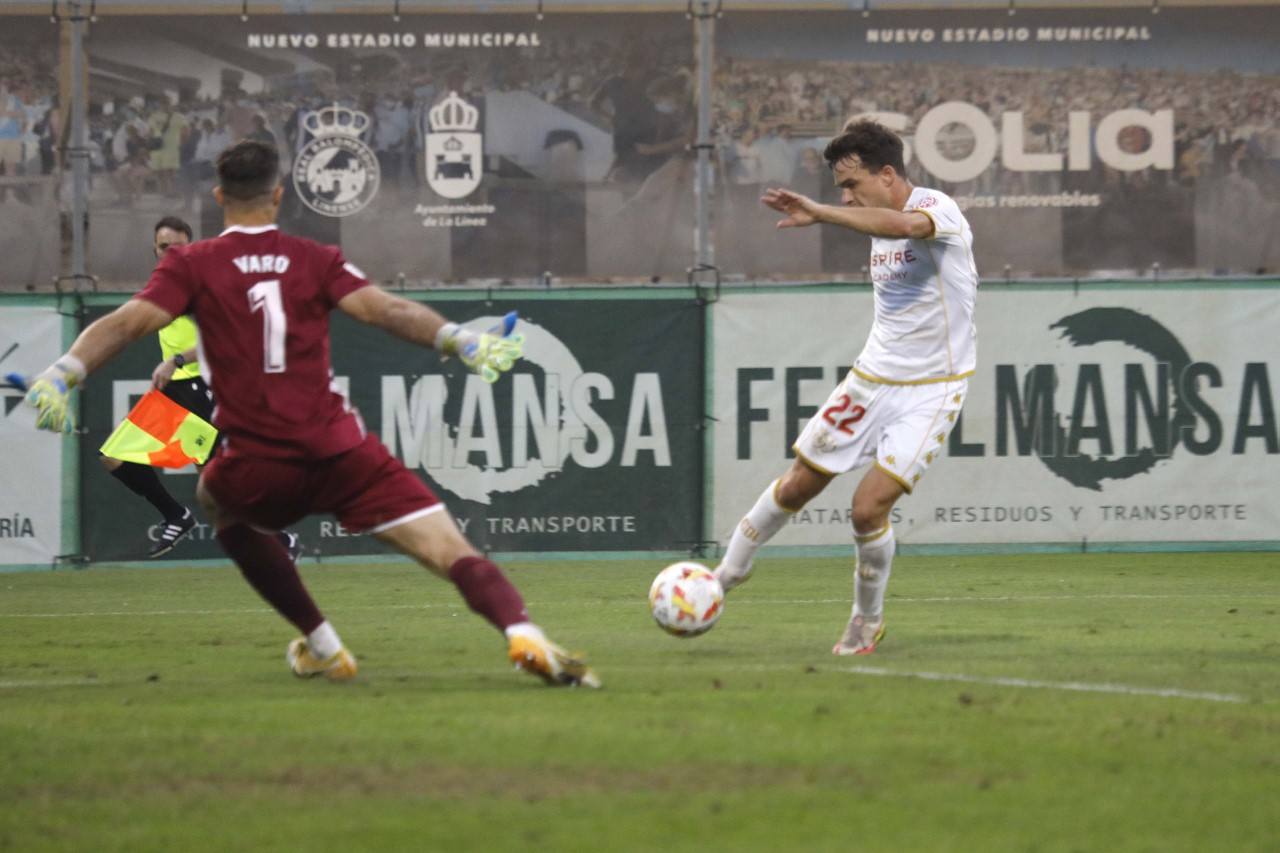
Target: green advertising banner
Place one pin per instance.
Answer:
(594, 442)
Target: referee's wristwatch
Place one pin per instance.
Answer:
(178, 360)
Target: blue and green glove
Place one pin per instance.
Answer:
(489, 354)
(49, 393)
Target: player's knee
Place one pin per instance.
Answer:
(432, 540)
(798, 486)
(868, 517)
(448, 553)
(788, 496)
(448, 545)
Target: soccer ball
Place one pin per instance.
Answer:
(686, 599)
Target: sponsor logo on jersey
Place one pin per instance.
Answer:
(884, 259)
(336, 174)
(454, 150)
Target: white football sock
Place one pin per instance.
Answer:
(523, 629)
(323, 641)
(875, 561)
(759, 525)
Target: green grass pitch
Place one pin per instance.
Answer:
(1030, 703)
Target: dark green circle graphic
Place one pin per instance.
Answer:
(1144, 333)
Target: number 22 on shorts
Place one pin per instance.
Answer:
(844, 403)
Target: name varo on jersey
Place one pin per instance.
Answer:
(277, 264)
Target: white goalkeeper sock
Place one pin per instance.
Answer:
(524, 629)
(323, 641)
(875, 561)
(759, 525)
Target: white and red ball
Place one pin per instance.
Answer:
(686, 599)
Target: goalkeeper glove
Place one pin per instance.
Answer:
(49, 393)
(489, 354)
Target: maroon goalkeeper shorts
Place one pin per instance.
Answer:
(367, 488)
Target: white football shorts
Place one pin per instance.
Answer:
(903, 428)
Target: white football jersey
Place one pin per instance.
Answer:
(924, 296)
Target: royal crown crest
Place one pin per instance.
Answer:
(454, 114)
(336, 120)
(336, 173)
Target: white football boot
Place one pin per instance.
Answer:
(860, 637)
(730, 576)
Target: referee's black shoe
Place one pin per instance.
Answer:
(171, 532)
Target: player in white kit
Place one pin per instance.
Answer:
(904, 393)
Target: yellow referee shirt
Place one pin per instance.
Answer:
(180, 336)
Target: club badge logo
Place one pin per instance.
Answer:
(455, 152)
(336, 174)
(823, 442)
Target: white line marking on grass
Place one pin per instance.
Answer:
(943, 599)
(134, 613)
(228, 612)
(1126, 689)
(998, 598)
(1117, 596)
(53, 682)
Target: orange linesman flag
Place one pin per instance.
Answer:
(160, 433)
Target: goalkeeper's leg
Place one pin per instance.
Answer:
(434, 540)
(783, 498)
(265, 563)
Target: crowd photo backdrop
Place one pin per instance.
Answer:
(450, 148)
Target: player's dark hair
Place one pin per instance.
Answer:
(248, 170)
(173, 223)
(875, 145)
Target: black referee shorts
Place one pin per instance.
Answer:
(191, 394)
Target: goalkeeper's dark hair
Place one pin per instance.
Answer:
(875, 146)
(248, 170)
(173, 223)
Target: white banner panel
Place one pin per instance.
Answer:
(30, 461)
(1111, 413)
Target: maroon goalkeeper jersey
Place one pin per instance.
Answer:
(262, 301)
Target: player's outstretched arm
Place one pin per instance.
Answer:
(105, 337)
(49, 392)
(880, 221)
(489, 354)
(411, 321)
(877, 221)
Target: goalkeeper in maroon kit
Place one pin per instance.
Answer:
(292, 444)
